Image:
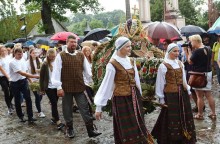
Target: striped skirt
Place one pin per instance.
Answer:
(128, 122)
(175, 124)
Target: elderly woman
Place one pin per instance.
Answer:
(122, 80)
(201, 60)
(175, 123)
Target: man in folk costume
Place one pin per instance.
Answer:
(122, 81)
(68, 72)
(175, 123)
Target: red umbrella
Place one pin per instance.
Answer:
(62, 36)
(158, 30)
(173, 39)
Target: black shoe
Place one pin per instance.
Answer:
(91, 130)
(70, 133)
(60, 126)
(32, 120)
(22, 120)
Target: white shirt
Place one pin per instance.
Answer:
(106, 88)
(4, 63)
(25, 55)
(56, 74)
(161, 81)
(36, 69)
(15, 66)
(50, 85)
(88, 80)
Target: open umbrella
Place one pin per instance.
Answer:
(191, 30)
(62, 36)
(158, 30)
(96, 34)
(44, 41)
(20, 40)
(215, 27)
(9, 45)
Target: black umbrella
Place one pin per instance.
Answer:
(20, 40)
(44, 41)
(191, 30)
(96, 34)
(9, 44)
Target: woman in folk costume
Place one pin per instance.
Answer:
(175, 123)
(122, 81)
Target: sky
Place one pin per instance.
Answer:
(110, 5)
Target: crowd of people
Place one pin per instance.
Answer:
(66, 73)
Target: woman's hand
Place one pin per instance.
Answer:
(60, 93)
(98, 115)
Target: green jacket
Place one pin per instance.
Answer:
(44, 76)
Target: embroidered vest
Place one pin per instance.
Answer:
(174, 78)
(124, 79)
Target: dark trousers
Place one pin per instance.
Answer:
(82, 103)
(18, 87)
(7, 91)
(38, 99)
(52, 95)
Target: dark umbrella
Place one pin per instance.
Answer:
(20, 40)
(44, 41)
(191, 30)
(158, 30)
(9, 44)
(96, 34)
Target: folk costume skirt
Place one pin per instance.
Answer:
(175, 124)
(128, 121)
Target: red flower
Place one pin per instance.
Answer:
(151, 70)
(102, 60)
(144, 70)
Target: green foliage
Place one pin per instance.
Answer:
(187, 9)
(10, 26)
(102, 20)
(217, 5)
(96, 24)
(156, 8)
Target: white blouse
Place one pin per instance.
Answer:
(36, 69)
(161, 81)
(106, 88)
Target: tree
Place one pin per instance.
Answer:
(59, 7)
(157, 10)
(96, 24)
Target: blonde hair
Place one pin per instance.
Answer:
(18, 45)
(50, 52)
(196, 38)
(1, 46)
(89, 58)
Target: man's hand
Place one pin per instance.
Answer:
(98, 115)
(60, 93)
